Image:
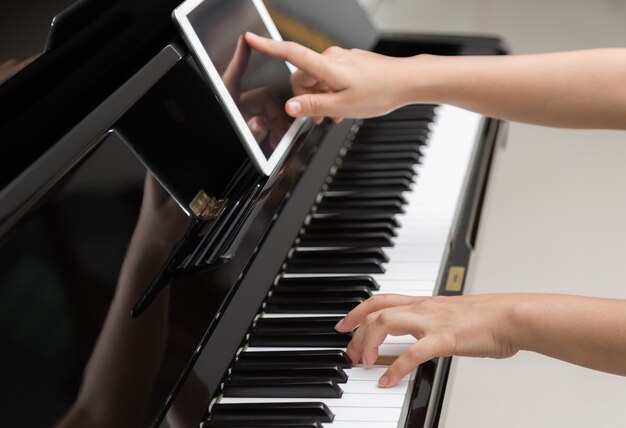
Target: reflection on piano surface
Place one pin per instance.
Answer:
(239, 307)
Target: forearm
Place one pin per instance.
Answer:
(581, 89)
(589, 332)
(126, 359)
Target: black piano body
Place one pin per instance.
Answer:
(85, 229)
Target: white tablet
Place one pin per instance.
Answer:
(252, 87)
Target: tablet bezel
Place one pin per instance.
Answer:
(263, 164)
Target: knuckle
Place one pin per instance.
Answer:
(448, 343)
(413, 353)
(314, 104)
(370, 318)
(385, 318)
(333, 50)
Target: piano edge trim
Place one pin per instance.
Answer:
(461, 244)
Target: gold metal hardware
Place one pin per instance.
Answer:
(206, 207)
(455, 278)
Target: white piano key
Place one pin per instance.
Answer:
(395, 284)
(385, 350)
(360, 424)
(420, 274)
(400, 268)
(373, 373)
(406, 292)
(346, 400)
(369, 387)
(405, 339)
(366, 414)
(290, 315)
(416, 253)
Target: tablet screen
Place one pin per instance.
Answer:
(259, 85)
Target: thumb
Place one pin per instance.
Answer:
(312, 105)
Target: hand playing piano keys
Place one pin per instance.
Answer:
(475, 326)
(580, 330)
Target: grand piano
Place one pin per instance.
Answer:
(149, 276)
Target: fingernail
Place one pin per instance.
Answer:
(294, 107)
(383, 381)
(251, 35)
(364, 359)
(339, 324)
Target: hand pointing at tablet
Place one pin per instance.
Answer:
(262, 110)
(563, 89)
(338, 83)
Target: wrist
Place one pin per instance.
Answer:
(424, 80)
(520, 320)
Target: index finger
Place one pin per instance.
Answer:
(300, 56)
(357, 315)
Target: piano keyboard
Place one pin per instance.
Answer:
(381, 225)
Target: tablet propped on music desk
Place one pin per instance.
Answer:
(251, 87)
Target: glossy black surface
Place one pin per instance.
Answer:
(66, 83)
(69, 273)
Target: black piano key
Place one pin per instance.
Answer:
(355, 185)
(263, 424)
(365, 197)
(361, 208)
(365, 239)
(303, 323)
(374, 168)
(354, 162)
(365, 173)
(316, 412)
(419, 138)
(283, 388)
(381, 132)
(299, 339)
(363, 227)
(411, 146)
(299, 291)
(406, 113)
(367, 266)
(337, 280)
(334, 373)
(420, 123)
(406, 156)
(370, 200)
(371, 181)
(331, 255)
(343, 220)
(311, 306)
(312, 358)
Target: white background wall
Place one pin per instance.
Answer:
(554, 219)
